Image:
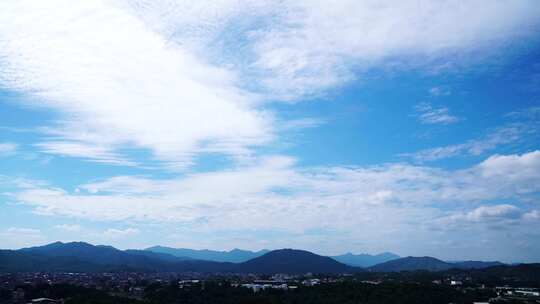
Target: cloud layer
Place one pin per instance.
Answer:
(179, 78)
(266, 196)
(521, 127)
(7, 148)
(118, 84)
(316, 46)
(137, 82)
(427, 114)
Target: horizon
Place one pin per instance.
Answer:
(398, 256)
(409, 127)
(145, 248)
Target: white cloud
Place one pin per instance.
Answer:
(501, 136)
(508, 217)
(485, 214)
(23, 231)
(439, 91)
(17, 237)
(491, 212)
(531, 113)
(175, 77)
(120, 233)
(272, 201)
(121, 85)
(532, 215)
(21, 183)
(427, 114)
(7, 149)
(512, 167)
(69, 228)
(101, 154)
(524, 126)
(301, 123)
(314, 45)
(267, 195)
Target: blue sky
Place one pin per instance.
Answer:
(410, 127)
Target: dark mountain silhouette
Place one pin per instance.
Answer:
(18, 261)
(475, 264)
(104, 255)
(525, 272)
(78, 256)
(84, 255)
(429, 264)
(294, 262)
(365, 260)
(412, 264)
(513, 275)
(157, 255)
(233, 256)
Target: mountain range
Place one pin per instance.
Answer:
(239, 256)
(429, 264)
(365, 260)
(294, 261)
(233, 256)
(84, 257)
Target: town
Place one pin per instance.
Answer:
(39, 287)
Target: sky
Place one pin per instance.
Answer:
(360, 126)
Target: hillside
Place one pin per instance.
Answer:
(79, 256)
(476, 264)
(365, 260)
(17, 261)
(84, 257)
(412, 264)
(103, 255)
(233, 256)
(294, 262)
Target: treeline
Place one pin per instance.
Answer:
(70, 293)
(338, 293)
(222, 293)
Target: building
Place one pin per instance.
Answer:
(45, 301)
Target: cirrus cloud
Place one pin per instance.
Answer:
(263, 195)
(179, 78)
(427, 114)
(117, 84)
(120, 233)
(7, 148)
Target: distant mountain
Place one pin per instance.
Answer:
(293, 262)
(83, 256)
(512, 275)
(18, 261)
(529, 273)
(412, 264)
(157, 255)
(103, 255)
(365, 260)
(475, 264)
(233, 256)
(429, 264)
(81, 250)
